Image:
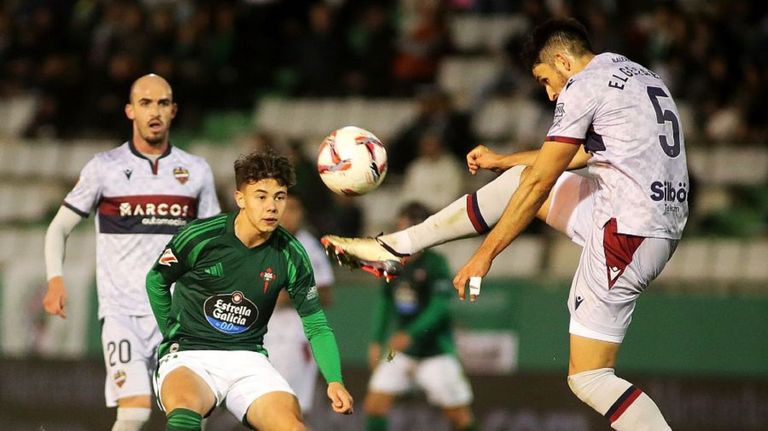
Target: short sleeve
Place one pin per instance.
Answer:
(574, 112)
(83, 198)
(208, 205)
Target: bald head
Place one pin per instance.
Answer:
(149, 83)
(151, 109)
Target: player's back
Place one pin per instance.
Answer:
(633, 131)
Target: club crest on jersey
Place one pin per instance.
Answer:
(181, 174)
(230, 313)
(167, 258)
(267, 276)
(120, 378)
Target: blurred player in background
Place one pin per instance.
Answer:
(142, 192)
(228, 272)
(627, 209)
(421, 349)
(289, 351)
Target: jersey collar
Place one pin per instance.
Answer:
(153, 165)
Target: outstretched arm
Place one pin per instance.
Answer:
(482, 157)
(61, 226)
(535, 185)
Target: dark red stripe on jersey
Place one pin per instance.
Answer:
(473, 211)
(566, 139)
(619, 249)
(622, 404)
(172, 206)
(77, 210)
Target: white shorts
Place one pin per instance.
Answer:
(441, 377)
(239, 377)
(291, 355)
(613, 268)
(128, 343)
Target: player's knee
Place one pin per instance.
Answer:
(583, 384)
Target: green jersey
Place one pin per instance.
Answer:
(418, 302)
(225, 292)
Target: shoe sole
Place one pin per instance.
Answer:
(386, 269)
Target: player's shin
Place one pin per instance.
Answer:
(470, 215)
(624, 405)
(131, 419)
(183, 420)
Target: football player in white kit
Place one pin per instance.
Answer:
(142, 192)
(288, 348)
(627, 209)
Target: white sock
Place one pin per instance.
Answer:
(131, 419)
(625, 406)
(470, 215)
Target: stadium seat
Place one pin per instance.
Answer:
(689, 263)
(726, 263)
(737, 166)
(755, 259)
(17, 112)
(494, 120)
(462, 77)
(479, 33)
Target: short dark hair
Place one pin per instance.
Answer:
(564, 33)
(414, 211)
(258, 165)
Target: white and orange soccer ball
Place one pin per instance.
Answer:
(352, 161)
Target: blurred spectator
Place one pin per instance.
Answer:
(223, 55)
(371, 41)
(435, 177)
(319, 55)
(424, 40)
(436, 116)
(343, 218)
(309, 187)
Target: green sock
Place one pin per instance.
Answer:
(471, 427)
(183, 420)
(376, 423)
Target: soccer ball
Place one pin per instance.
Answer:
(352, 161)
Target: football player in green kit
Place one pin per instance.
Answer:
(421, 348)
(228, 271)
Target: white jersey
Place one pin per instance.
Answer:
(139, 205)
(625, 117)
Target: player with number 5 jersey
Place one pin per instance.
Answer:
(611, 175)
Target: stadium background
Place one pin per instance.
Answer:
(251, 74)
